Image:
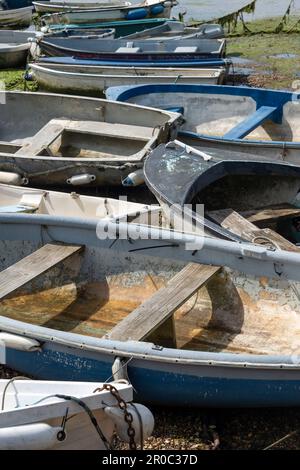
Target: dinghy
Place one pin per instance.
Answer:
(93, 80)
(49, 139)
(178, 30)
(131, 12)
(122, 28)
(40, 415)
(214, 179)
(14, 48)
(136, 306)
(254, 120)
(151, 50)
(137, 50)
(56, 6)
(15, 18)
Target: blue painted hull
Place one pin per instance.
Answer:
(162, 387)
(205, 63)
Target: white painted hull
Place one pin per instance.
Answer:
(94, 80)
(97, 142)
(26, 424)
(19, 18)
(57, 7)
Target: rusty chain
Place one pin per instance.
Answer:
(123, 407)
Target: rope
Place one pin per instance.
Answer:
(6, 387)
(90, 414)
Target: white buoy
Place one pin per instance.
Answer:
(20, 343)
(39, 436)
(136, 178)
(15, 179)
(141, 416)
(79, 180)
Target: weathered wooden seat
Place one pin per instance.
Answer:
(32, 266)
(145, 321)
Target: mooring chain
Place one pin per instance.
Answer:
(123, 407)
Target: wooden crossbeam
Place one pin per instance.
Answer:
(252, 122)
(32, 266)
(236, 223)
(157, 310)
(42, 139)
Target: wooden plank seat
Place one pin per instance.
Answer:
(32, 266)
(236, 223)
(145, 321)
(54, 129)
(252, 122)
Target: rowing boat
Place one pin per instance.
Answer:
(249, 120)
(16, 18)
(144, 10)
(111, 300)
(93, 80)
(56, 6)
(136, 50)
(14, 48)
(207, 180)
(43, 143)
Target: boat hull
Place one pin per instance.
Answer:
(146, 51)
(248, 117)
(159, 375)
(122, 28)
(103, 15)
(94, 80)
(13, 19)
(82, 153)
(168, 384)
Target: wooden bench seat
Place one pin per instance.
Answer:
(32, 266)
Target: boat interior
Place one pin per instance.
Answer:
(122, 46)
(125, 297)
(229, 116)
(100, 130)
